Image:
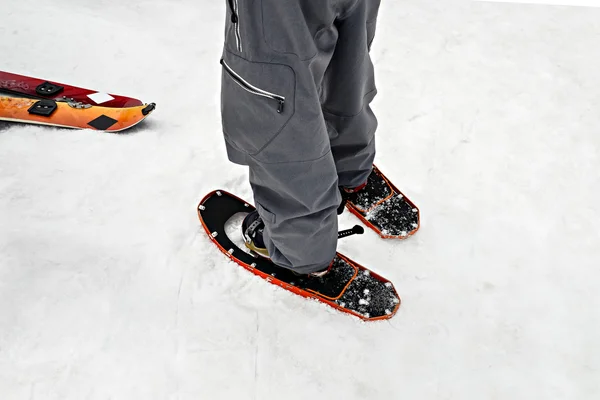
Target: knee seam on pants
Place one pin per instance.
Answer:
(290, 162)
(368, 144)
(325, 110)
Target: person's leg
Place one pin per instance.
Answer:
(275, 53)
(348, 88)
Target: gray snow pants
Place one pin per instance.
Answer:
(296, 86)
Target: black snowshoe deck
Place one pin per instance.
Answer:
(383, 208)
(348, 286)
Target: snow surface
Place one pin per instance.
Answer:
(489, 121)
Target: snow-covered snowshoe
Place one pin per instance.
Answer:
(383, 208)
(347, 286)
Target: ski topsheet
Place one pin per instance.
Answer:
(348, 286)
(42, 89)
(70, 114)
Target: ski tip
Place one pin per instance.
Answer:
(149, 108)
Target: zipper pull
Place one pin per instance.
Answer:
(234, 17)
(280, 108)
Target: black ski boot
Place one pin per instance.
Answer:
(253, 228)
(346, 194)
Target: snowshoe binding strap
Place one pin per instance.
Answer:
(252, 229)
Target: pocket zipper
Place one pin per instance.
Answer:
(253, 89)
(235, 20)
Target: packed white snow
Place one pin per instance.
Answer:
(489, 121)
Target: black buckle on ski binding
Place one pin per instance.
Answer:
(45, 108)
(48, 89)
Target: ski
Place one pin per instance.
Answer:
(71, 114)
(348, 286)
(26, 86)
(384, 208)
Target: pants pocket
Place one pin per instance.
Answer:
(257, 101)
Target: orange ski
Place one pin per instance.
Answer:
(71, 114)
